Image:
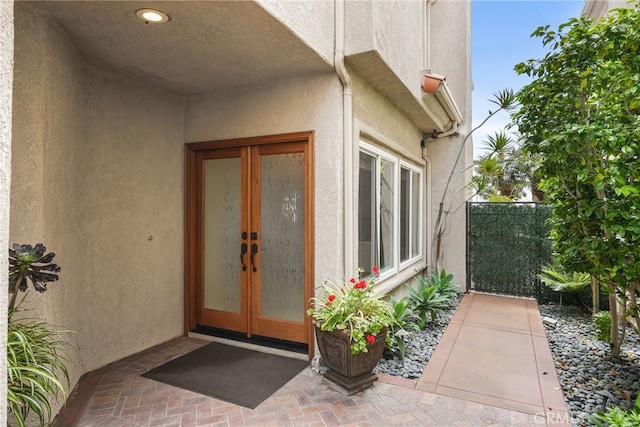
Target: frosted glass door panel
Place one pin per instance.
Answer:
(222, 186)
(282, 240)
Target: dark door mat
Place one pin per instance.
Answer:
(233, 374)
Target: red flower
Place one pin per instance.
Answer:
(352, 280)
(371, 338)
(330, 300)
(360, 285)
(376, 270)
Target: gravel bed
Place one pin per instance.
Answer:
(584, 365)
(420, 346)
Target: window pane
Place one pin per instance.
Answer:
(387, 185)
(405, 214)
(415, 214)
(366, 218)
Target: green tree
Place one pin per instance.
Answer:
(581, 115)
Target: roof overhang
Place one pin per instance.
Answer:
(205, 46)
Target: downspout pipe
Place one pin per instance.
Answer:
(426, 65)
(453, 130)
(347, 101)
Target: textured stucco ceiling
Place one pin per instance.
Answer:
(207, 46)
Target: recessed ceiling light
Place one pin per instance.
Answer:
(152, 16)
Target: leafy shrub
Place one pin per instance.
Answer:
(34, 358)
(561, 281)
(616, 417)
(602, 320)
(35, 353)
(499, 198)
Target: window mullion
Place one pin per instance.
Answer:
(412, 202)
(397, 178)
(378, 205)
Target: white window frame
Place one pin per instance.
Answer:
(380, 154)
(398, 165)
(420, 213)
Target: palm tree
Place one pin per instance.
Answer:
(499, 167)
(505, 170)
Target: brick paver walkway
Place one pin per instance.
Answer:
(118, 396)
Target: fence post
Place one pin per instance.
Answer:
(467, 259)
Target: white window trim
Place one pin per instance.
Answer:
(420, 178)
(399, 164)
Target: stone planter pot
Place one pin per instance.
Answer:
(352, 372)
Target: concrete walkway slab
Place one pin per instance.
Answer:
(495, 352)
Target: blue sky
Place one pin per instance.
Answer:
(500, 39)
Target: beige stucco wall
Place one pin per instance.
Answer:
(312, 103)
(311, 21)
(392, 29)
(451, 57)
(378, 123)
(6, 83)
(98, 177)
(131, 211)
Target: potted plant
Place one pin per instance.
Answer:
(351, 323)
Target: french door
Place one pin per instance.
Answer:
(249, 236)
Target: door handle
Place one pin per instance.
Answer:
(243, 251)
(254, 251)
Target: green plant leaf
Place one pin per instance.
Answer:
(35, 360)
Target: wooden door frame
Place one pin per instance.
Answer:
(192, 214)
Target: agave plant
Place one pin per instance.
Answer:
(405, 321)
(427, 300)
(444, 284)
(28, 262)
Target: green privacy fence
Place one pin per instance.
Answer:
(506, 245)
